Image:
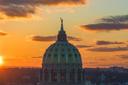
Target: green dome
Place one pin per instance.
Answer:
(62, 53)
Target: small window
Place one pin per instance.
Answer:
(55, 55)
(69, 49)
(75, 55)
(49, 55)
(62, 49)
(69, 54)
(61, 44)
(74, 49)
(62, 55)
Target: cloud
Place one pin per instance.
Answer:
(115, 19)
(37, 57)
(73, 38)
(123, 56)
(3, 33)
(41, 2)
(17, 10)
(52, 38)
(108, 49)
(105, 26)
(44, 38)
(108, 42)
(83, 46)
(109, 24)
(25, 8)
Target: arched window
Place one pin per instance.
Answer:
(72, 75)
(49, 55)
(55, 59)
(62, 49)
(63, 75)
(56, 49)
(83, 77)
(53, 75)
(63, 58)
(46, 75)
(79, 75)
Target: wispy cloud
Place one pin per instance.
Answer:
(83, 46)
(109, 24)
(37, 57)
(3, 33)
(72, 38)
(52, 38)
(123, 56)
(108, 42)
(25, 8)
(44, 38)
(115, 19)
(108, 49)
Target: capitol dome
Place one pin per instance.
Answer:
(62, 53)
(61, 64)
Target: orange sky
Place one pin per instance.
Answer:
(18, 27)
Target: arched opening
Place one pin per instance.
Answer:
(83, 72)
(53, 75)
(72, 75)
(79, 77)
(63, 75)
(46, 75)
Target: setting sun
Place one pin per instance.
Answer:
(1, 60)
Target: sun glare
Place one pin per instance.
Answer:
(1, 60)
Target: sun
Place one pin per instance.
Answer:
(1, 60)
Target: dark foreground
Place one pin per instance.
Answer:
(30, 76)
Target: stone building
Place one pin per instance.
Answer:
(62, 63)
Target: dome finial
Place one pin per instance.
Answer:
(62, 27)
(62, 35)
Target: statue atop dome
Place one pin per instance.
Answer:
(62, 27)
(62, 35)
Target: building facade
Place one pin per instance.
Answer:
(62, 64)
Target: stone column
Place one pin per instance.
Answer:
(58, 75)
(67, 76)
(82, 76)
(49, 74)
(76, 76)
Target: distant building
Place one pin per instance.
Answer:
(62, 63)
